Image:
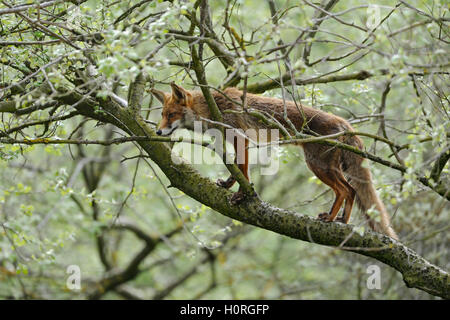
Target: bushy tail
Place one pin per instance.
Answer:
(366, 195)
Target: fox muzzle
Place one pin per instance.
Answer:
(169, 129)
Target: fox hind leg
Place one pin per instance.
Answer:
(348, 204)
(328, 178)
(343, 190)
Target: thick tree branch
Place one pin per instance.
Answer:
(133, 268)
(439, 165)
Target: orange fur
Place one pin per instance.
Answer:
(341, 170)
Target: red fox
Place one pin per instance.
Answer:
(341, 170)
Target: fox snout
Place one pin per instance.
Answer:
(168, 129)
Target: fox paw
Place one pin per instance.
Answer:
(227, 184)
(237, 197)
(340, 219)
(324, 216)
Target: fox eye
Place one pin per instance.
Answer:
(170, 115)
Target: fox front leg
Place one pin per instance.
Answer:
(242, 160)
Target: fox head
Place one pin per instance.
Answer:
(177, 109)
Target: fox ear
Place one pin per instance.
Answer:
(161, 96)
(178, 92)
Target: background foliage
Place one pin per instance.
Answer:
(97, 206)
